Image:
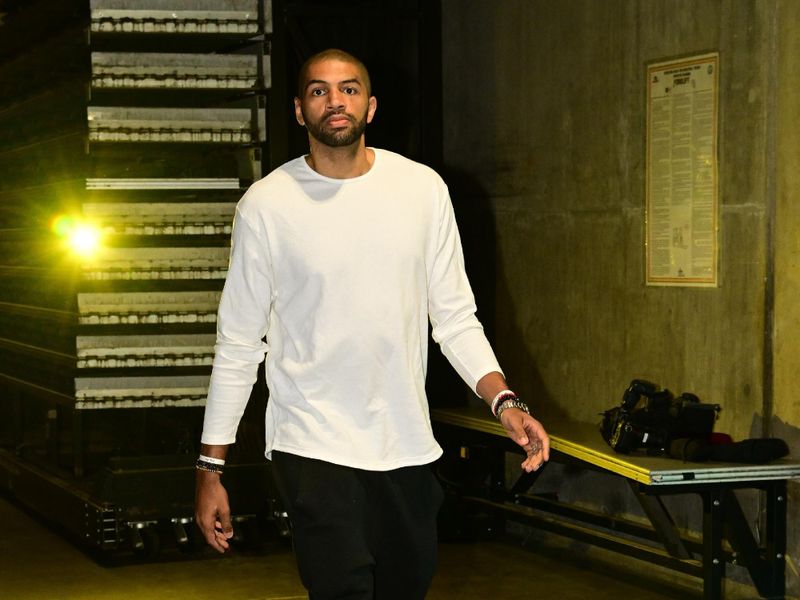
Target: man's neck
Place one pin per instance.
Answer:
(344, 162)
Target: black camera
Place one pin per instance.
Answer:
(651, 418)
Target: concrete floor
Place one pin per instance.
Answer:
(38, 564)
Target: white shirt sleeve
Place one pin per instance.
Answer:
(242, 323)
(451, 305)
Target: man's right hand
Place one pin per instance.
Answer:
(212, 512)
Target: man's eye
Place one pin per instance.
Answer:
(317, 92)
(350, 90)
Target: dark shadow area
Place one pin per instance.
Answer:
(494, 298)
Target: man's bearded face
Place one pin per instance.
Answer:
(336, 128)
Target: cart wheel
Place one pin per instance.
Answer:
(146, 542)
(186, 535)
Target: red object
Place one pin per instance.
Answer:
(719, 438)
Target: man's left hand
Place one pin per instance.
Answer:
(526, 431)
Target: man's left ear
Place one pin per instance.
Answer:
(373, 105)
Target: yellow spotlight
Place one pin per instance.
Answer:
(81, 237)
(84, 239)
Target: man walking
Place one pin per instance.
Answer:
(339, 258)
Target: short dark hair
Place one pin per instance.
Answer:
(331, 54)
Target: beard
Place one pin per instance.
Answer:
(336, 138)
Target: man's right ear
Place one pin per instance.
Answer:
(298, 112)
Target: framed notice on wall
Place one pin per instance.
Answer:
(681, 221)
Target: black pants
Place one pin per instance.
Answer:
(360, 535)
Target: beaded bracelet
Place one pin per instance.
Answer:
(212, 465)
(505, 394)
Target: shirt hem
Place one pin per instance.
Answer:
(399, 463)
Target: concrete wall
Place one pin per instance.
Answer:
(785, 417)
(544, 143)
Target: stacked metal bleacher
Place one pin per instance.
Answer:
(145, 119)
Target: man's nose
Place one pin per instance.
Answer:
(335, 99)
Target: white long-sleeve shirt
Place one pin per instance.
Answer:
(341, 276)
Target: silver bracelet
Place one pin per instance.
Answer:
(512, 403)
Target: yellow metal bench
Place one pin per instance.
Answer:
(649, 478)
